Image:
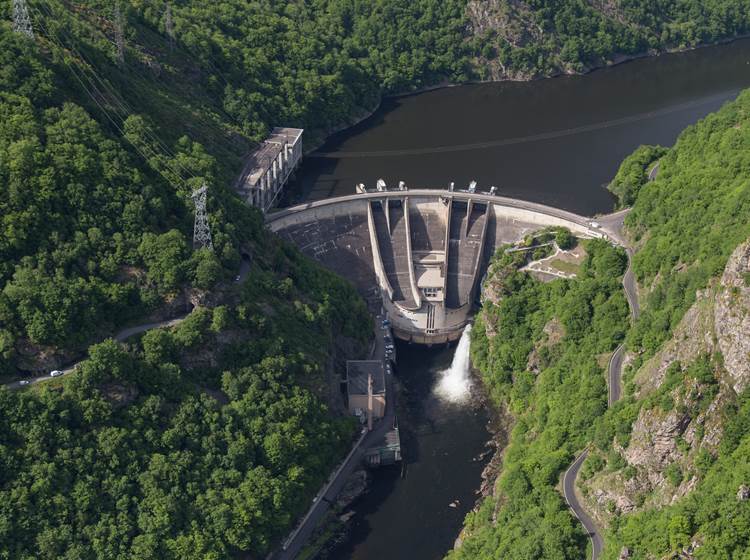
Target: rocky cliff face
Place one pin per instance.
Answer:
(680, 414)
(733, 318)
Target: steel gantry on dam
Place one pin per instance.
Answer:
(424, 250)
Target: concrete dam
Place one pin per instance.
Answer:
(423, 252)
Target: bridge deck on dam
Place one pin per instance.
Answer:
(431, 248)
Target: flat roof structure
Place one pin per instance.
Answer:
(358, 372)
(260, 161)
(268, 166)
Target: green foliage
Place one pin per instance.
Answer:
(633, 173)
(574, 36)
(150, 464)
(691, 218)
(673, 474)
(208, 269)
(687, 222)
(555, 409)
(711, 511)
(164, 255)
(564, 238)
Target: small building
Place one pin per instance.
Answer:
(269, 166)
(387, 451)
(365, 380)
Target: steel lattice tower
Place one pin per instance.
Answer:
(21, 19)
(119, 34)
(201, 230)
(169, 25)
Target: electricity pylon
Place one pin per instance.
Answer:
(21, 19)
(119, 34)
(201, 230)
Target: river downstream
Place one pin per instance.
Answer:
(556, 141)
(415, 510)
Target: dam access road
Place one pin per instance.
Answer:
(614, 224)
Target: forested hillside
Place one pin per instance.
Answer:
(667, 472)
(680, 436)
(538, 347)
(197, 442)
(100, 155)
(208, 439)
(531, 38)
(192, 443)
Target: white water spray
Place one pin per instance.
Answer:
(455, 382)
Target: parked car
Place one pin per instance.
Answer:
(24, 382)
(55, 373)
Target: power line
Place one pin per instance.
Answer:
(174, 180)
(121, 105)
(169, 26)
(119, 34)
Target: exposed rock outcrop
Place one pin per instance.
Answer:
(733, 317)
(658, 459)
(692, 337)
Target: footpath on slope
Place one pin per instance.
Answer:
(614, 375)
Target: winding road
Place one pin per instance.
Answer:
(614, 375)
(120, 336)
(124, 334)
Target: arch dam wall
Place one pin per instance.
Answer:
(422, 252)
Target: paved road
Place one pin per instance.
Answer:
(569, 481)
(124, 334)
(654, 172)
(120, 336)
(301, 535)
(277, 219)
(614, 375)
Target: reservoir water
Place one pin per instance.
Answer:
(556, 141)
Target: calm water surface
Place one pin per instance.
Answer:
(554, 141)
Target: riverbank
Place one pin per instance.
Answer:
(499, 425)
(319, 139)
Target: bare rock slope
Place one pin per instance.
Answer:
(680, 412)
(733, 317)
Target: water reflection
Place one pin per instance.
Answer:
(554, 141)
